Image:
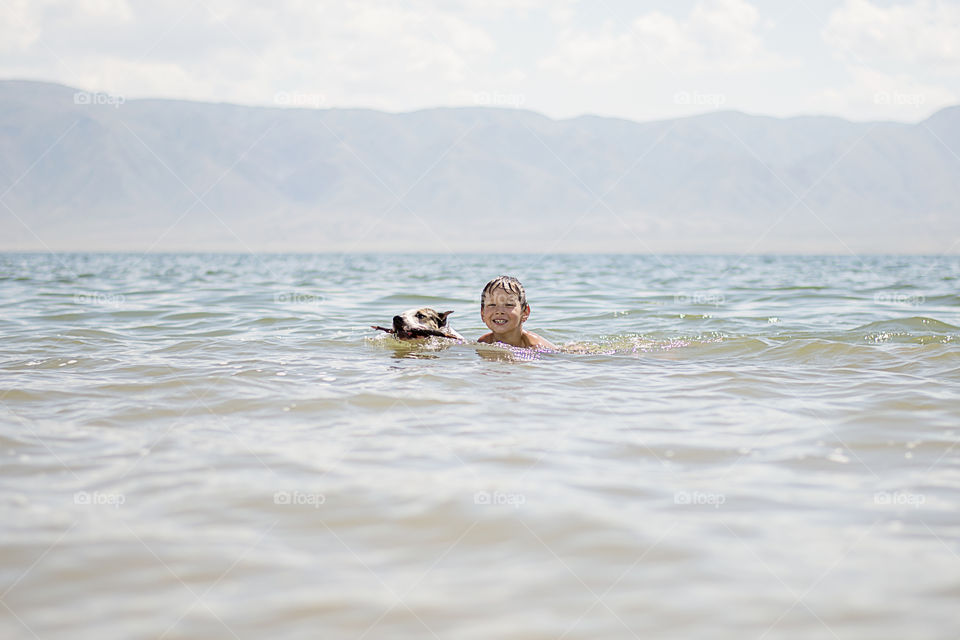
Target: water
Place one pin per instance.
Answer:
(218, 446)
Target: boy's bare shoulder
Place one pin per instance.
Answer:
(536, 342)
(529, 340)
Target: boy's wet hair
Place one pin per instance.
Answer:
(508, 284)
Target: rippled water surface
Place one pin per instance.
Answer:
(219, 446)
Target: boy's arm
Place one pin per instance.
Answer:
(487, 338)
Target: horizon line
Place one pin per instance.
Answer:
(499, 107)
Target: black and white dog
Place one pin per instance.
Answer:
(421, 323)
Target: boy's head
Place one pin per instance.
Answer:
(508, 285)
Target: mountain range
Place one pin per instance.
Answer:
(93, 171)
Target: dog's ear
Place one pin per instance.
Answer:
(443, 317)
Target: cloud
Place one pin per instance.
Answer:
(716, 36)
(901, 61)
(19, 26)
(898, 37)
(561, 57)
(374, 53)
(497, 8)
(875, 95)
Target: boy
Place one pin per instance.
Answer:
(504, 309)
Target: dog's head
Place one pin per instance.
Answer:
(421, 323)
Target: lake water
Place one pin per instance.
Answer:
(219, 446)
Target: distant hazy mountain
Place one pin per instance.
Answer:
(92, 172)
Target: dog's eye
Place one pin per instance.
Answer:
(419, 316)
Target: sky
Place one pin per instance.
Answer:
(639, 60)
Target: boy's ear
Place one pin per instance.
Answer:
(443, 317)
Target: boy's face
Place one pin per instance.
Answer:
(501, 311)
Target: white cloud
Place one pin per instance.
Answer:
(901, 61)
(727, 32)
(496, 8)
(379, 54)
(875, 95)
(717, 36)
(560, 57)
(897, 37)
(19, 26)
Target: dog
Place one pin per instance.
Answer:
(421, 323)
